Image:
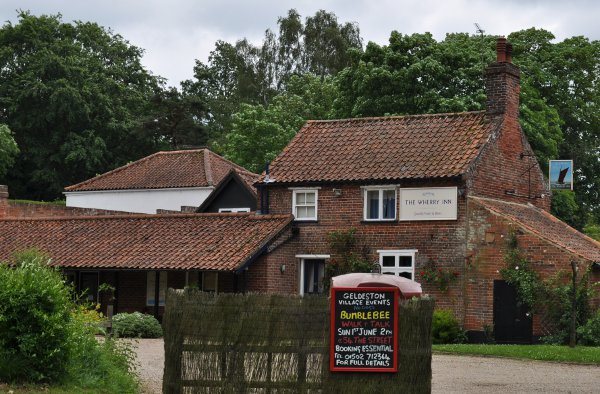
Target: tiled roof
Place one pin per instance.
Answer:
(386, 148)
(201, 241)
(545, 226)
(168, 169)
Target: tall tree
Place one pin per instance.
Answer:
(242, 73)
(8, 149)
(74, 95)
(260, 132)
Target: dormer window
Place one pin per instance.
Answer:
(379, 203)
(304, 204)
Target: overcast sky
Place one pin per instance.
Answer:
(176, 32)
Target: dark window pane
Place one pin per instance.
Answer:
(388, 261)
(373, 204)
(405, 275)
(389, 204)
(388, 273)
(405, 261)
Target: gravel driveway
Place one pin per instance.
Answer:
(451, 374)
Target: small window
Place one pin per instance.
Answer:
(304, 204)
(233, 210)
(151, 288)
(398, 262)
(380, 204)
(312, 274)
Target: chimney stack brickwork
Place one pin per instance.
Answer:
(502, 82)
(3, 200)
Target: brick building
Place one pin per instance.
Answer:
(442, 191)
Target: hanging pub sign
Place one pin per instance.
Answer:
(561, 175)
(364, 335)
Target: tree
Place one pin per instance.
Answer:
(176, 118)
(242, 73)
(74, 94)
(8, 149)
(260, 132)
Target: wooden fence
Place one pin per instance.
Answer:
(258, 343)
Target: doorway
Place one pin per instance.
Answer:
(512, 320)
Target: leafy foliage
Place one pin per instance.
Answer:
(242, 74)
(260, 132)
(74, 95)
(589, 333)
(441, 277)
(347, 257)
(136, 325)
(46, 337)
(557, 305)
(34, 319)
(445, 328)
(8, 149)
(518, 272)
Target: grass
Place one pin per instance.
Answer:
(34, 202)
(580, 354)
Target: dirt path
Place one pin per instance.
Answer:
(451, 374)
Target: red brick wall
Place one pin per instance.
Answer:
(19, 209)
(500, 167)
(442, 242)
(486, 250)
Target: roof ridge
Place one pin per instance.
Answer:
(250, 215)
(235, 165)
(113, 171)
(391, 117)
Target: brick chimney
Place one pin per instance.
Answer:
(3, 200)
(502, 83)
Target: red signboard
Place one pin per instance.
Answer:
(364, 329)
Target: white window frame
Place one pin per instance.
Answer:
(303, 258)
(397, 254)
(381, 189)
(233, 210)
(294, 206)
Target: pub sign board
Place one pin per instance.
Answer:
(364, 329)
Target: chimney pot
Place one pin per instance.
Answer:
(501, 50)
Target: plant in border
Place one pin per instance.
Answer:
(445, 328)
(136, 325)
(441, 277)
(347, 256)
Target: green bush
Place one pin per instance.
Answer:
(445, 328)
(136, 325)
(46, 337)
(589, 333)
(34, 319)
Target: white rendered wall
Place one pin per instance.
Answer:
(139, 201)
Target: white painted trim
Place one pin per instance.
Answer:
(302, 259)
(137, 190)
(233, 210)
(306, 190)
(397, 254)
(409, 251)
(366, 189)
(374, 187)
(313, 256)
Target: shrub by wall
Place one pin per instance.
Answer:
(136, 325)
(445, 328)
(34, 317)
